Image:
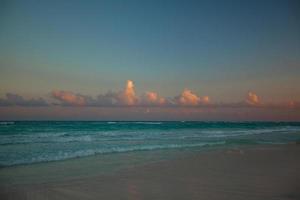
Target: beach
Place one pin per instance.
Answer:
(249, 172)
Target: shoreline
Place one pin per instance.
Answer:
(250, 172)
(203, 148)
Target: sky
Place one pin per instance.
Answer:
(150, 60)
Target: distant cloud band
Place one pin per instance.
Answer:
(128, 98)
(17, 100)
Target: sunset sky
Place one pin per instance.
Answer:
(150, 60)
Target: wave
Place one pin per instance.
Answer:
(112, 122)
(85, 138)
(91, 152)
(30, 140)
(22, 143)
(147, 122)
(7, 123)
(233, 133)
(117, 136)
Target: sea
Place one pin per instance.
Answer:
(30, 142)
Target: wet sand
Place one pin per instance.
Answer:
(261, 172)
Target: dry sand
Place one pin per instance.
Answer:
(264, 172)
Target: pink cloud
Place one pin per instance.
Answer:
(205, 100)
(188, 98)
(152, 98)
(252, 99)
(69, 98)
(128, 96)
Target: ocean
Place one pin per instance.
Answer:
(28, 142)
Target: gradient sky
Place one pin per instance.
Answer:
(222, 49)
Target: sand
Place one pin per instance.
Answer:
(261, 172)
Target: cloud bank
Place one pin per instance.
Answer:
(129, 98)
(17, 100)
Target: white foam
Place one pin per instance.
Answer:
(89, 152)
(233, 133)
(147, 122)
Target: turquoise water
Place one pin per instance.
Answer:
(33, 142)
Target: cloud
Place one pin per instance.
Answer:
(128, 96)
(69, 98)
(205, 100)
(108, 99)
(152, 98)
(17, 100)
(188, 98)
(252, 99)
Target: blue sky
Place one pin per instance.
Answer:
(222, 49)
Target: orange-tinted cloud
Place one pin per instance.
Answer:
(252, 99)
(128, 96)
(152, 98)
(69, 98)
(188, 98)
(205, 100)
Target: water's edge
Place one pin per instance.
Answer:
(31, 142)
